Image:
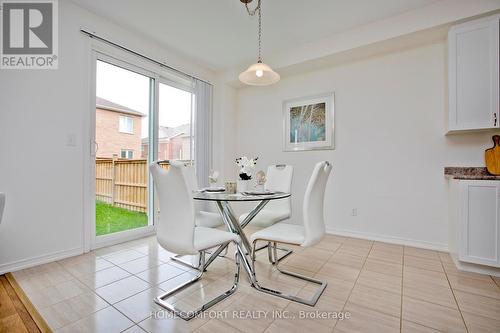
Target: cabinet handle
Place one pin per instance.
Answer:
(495, 119)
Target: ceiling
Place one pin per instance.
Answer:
(220, 35)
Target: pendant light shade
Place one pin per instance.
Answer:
(259, 74)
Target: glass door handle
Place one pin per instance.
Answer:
(94, 147)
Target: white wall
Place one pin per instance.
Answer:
(224, 134)
(42, 176)
(390, 144)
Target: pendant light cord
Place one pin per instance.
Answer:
(252, 13)
(260, 33)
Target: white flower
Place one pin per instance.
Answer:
(212, 178)
(246, 166)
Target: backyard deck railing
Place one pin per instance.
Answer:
(123, 183)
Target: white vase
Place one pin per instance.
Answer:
(242, 185)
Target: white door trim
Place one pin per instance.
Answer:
(90, 240)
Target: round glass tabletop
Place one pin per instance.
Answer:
(223, 196)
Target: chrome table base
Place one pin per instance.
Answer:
(243, 249)
(188, 315)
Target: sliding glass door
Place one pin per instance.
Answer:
(142, 113)
(175, 123)
(124, 101)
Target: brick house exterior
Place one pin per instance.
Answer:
(110, 140)
(174, 143)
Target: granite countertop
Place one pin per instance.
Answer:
(469, 173)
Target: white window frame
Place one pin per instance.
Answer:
(129, 153)
(189, 89)
(114, 57)
(126, 125)
(103, 52)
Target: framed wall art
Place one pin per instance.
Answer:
(308, 123)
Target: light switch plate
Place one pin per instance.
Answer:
(71, 140)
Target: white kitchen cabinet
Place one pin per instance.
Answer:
(473, 85)
(475, 223)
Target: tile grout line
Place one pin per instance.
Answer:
(267, 327)
(109, 304)
(380, 289)
(494, 281)
(132, 274)
(454, 296)
(431, 328)
(87, 289)
(402, 295)
(94, 292)
(104, 285)
(426, 269)
(333, 253)
(431, 302)
(449, 285)
(402, 287)
(151, 286)
(143, 320)
(123, 314)
(355, 282)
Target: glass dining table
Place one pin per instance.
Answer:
(223, 202)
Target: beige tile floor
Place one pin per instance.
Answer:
(383, 287)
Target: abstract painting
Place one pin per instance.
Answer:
(308, 123)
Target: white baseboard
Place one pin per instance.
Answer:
(389, 239)
(54, 256)
(46, 258)
(475, 268)
(122, 237)
(39, 260)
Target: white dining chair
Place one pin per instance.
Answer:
(305, 235)
(279, 178)
(177, 231)
(203, 218)
(2, 205)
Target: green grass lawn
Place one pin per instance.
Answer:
(109, 219)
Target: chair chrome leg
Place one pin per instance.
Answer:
(267, 246)
(188, 315)
(221, 255)
(178, 258)
(273, 253)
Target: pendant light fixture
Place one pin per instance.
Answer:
(258, 74)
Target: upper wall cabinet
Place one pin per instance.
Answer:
(473, 49)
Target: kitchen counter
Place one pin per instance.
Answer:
(469, 173)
